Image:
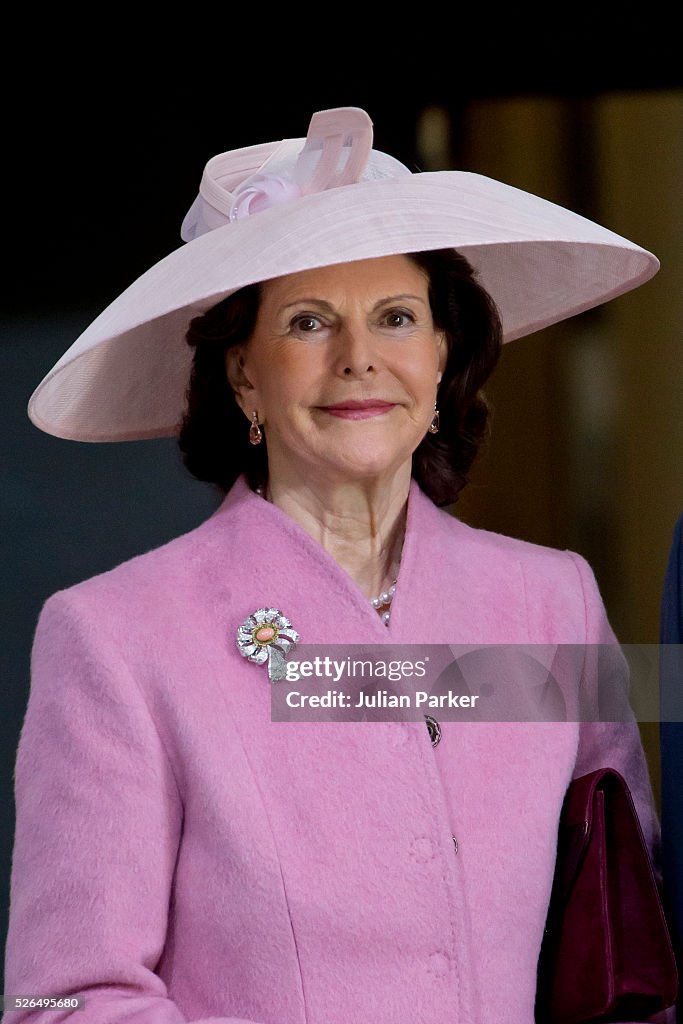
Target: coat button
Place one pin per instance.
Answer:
(398, 735)
(434, 730)
(438, 964)
(421, 849)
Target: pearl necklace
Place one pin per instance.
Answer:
(382, 601)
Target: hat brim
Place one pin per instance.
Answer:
(126, 376)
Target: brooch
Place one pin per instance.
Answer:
(265, 637)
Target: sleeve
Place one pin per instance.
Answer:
(618, 744)
(98, 827)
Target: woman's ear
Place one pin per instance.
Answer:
(237, 378)
(443, 354)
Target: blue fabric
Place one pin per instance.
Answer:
(671, 739)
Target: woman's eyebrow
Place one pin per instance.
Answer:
(399, 298)
(324, 304)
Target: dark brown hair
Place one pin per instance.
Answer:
(214, 432)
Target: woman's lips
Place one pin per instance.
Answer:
(358, 410)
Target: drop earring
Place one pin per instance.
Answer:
(255, 432)
(434, 425)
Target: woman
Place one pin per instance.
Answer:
(178, 855)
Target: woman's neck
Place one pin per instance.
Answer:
(360, 523)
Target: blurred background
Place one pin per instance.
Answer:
(106, 149)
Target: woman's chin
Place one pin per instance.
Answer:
(344, 455)
(364, 468)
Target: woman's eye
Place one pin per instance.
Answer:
(398, 318)
(306, 323)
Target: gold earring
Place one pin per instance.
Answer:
(255, 432)
(434, 425)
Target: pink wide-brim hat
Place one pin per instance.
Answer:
(279, 208)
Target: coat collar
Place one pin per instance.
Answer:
(452, 582)
(294, 557)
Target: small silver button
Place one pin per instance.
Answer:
(434, 730)
(455, 843)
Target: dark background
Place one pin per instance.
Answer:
(107, 142)
(106, 136)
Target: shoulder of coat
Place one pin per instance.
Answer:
(501, 544)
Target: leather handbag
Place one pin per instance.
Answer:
(607, 953)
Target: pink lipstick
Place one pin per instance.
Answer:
(364, 410)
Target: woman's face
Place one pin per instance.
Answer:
(342, 368)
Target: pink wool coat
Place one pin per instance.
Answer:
(181, 857)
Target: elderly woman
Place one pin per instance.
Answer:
(180, 856)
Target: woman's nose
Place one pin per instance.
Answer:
(355, 355)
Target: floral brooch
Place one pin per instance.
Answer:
(265, 637)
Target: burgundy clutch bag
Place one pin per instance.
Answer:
(607, 953)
